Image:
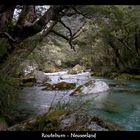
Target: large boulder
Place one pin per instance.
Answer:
(40, 77)
(49, 68)
(90, 87)
(80, 121)
(81, 88)
(65, 121)
(28, 80)
(60, 86)
(58, 62)
(76, 69)
(28, 67)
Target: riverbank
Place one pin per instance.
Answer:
(125, 76)
(62, 120)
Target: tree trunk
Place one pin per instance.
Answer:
(26, 38)
(27, 16)
(137, 40)
(117, 61)
(6, 18)
(21, 52)
(23, 30)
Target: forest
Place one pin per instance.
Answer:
(69, 67)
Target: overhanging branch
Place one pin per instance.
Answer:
(52, 14)
(79, 12)
(66, 27)
(64, 37)
(72, 36)
(130, 50)
(49, 29)
(28, 14)
(78, 32)
(5, 34)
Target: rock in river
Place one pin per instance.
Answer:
(90, 87)
(60, 86)
(41, 77)
(28, 80)
(76, 69)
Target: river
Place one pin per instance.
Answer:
(120, 104)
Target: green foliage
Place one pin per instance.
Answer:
(3, 123)
(4, 46)
(46, 122)
(111, 42)
(8, 92)
(125, 76)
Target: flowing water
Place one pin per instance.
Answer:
(120, 104)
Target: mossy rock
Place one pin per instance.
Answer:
(53, 121)
(28, 84)
(28, 80)
(48, 68)
(40, 77)
(76, 69)
(80, 121)
(80, 88)
(77, 91)
(47, 122)
(106, 124)
(60, 86)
